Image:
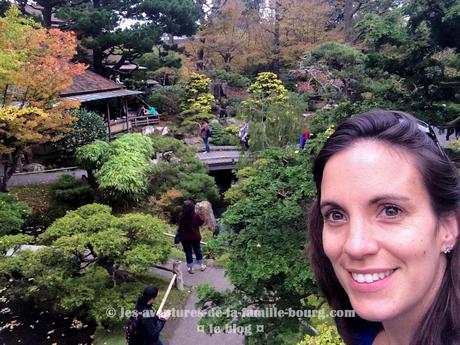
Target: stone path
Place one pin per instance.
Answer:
(182, 331)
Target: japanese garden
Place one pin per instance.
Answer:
(102, 105)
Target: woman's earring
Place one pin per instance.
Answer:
(447, 250)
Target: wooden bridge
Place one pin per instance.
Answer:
(221, 157)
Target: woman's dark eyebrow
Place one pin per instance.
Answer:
(388, 197)
(331, 204)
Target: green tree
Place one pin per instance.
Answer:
(98, 25)
(334, 67)
(268, 264)
(91, 157)
(178, 175)
(122, 166)
(89, 261)
(442, 17)
(275, 116)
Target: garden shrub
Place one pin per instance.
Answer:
(93, 156)
(88, 127)
(167, 99)
(168, 205)
(230, 78)
(122, 167)
(221, 136)
(13, 214)
(133, 142)
(198, 186)
(197, 96)
(267, 88)
(190, 124)
(70, 190)
(327, 335)
(124, 177)
(181, 177)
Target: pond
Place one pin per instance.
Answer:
(23, 322)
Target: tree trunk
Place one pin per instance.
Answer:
(98, 66)
(276, 39)
(200, 56)
(348, 21)
(47, 13)
(8, 170)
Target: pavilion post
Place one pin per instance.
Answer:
(108, 120)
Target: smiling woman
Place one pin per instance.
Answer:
(384, 232)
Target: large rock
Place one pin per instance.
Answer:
(204, 210)
(33, 167)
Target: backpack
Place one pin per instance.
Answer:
(133, 330)
(209, 132)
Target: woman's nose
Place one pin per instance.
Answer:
(360, 239)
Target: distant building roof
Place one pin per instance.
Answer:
(36, 11)
(90, 82)
(102, 95)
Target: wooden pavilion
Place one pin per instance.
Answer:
(116, 104)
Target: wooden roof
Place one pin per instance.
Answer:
(90, 82)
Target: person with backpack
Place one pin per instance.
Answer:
(144, 326)
(205, 133)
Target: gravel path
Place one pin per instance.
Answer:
(182, 331)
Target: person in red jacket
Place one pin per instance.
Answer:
(189, 229)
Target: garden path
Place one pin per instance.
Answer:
(181, 331)
(219, 158)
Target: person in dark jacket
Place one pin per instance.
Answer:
(189, 229)
(150, 324)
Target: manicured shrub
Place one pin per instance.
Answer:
(88, 127)
(70, 190)
(13, 214)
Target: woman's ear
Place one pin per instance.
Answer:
(449, 230)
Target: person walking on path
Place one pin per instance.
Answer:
(189, 230)
(304, 138)
(150, 324)
(205, 134)
(243, 134)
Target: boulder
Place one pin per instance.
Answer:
(204, 210)
(148, 130)
(33, 167)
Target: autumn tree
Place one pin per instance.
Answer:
(270, 36)
(227, 36)
(31, 111)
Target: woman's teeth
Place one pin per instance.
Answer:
(370, 277)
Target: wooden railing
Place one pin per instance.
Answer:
(141, 121)
(126, 125)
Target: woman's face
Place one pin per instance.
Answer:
(380, 232)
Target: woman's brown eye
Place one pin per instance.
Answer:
(334, 216)
(391, 211)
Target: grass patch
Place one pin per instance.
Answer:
(37, 196)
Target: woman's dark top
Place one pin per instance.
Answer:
(150, 326)
(365, 337)
(189, 228)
